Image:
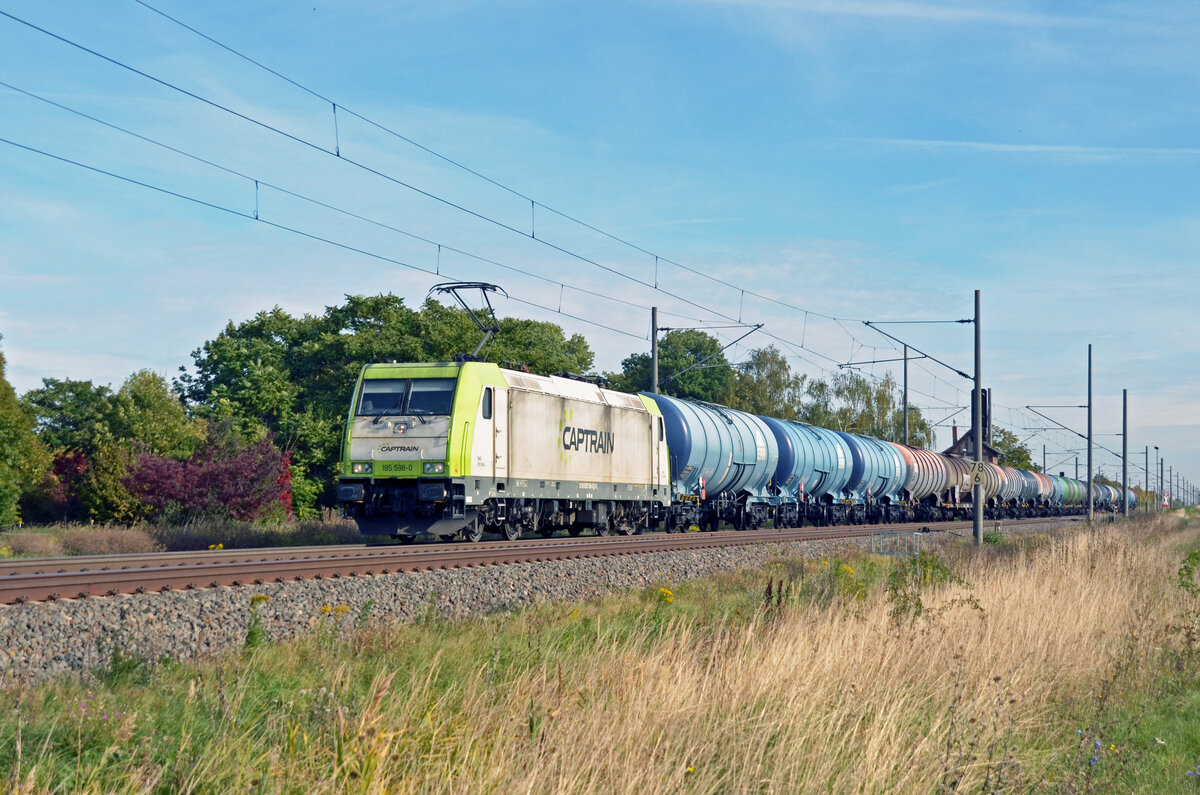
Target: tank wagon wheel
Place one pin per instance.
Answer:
(512, 531)
(472, 532)
(405, 539)
(574, 531)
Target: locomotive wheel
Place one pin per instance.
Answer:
(512, 531)
(603, 529)
(627, 529)
(472, 532)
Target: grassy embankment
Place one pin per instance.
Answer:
(1059, 665)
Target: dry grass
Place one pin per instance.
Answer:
(812, 700)
(243, 535)
(34, 545)
(108, 541)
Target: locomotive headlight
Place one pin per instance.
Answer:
(433, 468)
(360, 469)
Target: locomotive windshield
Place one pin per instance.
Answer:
(419, 396)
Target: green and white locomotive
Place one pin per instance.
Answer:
(454, 449)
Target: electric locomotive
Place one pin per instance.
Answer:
(454, 449)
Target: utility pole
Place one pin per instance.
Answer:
(1170, 476)
(1158, 467)
(1161, 462)
(906, 394)
(977, 490)
(1043, 459)
(1148, 478)
(1091, 500)
(1125, 452)
(654, 349)
(1077, 467)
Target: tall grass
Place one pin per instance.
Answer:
(800, 678)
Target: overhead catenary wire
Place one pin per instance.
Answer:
(336, 153)
(259, 182)
(293, 230)
(476, 173)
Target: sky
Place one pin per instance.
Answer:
(805, 165)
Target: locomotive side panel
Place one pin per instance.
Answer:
(557, 438)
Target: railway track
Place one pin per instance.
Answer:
(48, 579)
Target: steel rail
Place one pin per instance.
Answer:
(189, 571)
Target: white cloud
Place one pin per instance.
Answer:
(1072, 151)
(931, 12)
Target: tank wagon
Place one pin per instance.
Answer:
(456, 449)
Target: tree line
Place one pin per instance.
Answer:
(252, 429)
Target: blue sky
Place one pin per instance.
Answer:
(862, 160)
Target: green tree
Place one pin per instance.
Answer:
(1012, 452)
(23, 459)
(71, 415)
(292, 377)
(105, 496)
(765, 384)
(851, 402)
(145, 411)
(690, 365)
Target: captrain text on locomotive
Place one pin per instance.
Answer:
(457, 449)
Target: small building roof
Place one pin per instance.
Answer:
(965, 448)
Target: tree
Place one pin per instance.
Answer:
(690, 365)
(765, 384)
(71, 415)
(850, 402)
(292, 377)
(103, 491)
(23, 459)
(1012, 452)
(147, 412)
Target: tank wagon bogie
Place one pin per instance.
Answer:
(456, 449)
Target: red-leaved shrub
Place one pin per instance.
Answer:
(224, 479)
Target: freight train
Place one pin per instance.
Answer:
(457, 449)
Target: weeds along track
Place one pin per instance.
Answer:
(50, 579)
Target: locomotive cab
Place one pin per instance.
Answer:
(408, 436)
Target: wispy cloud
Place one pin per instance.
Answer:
(920, 186)
(1074, 151)
(687, 222)
(931, 12)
